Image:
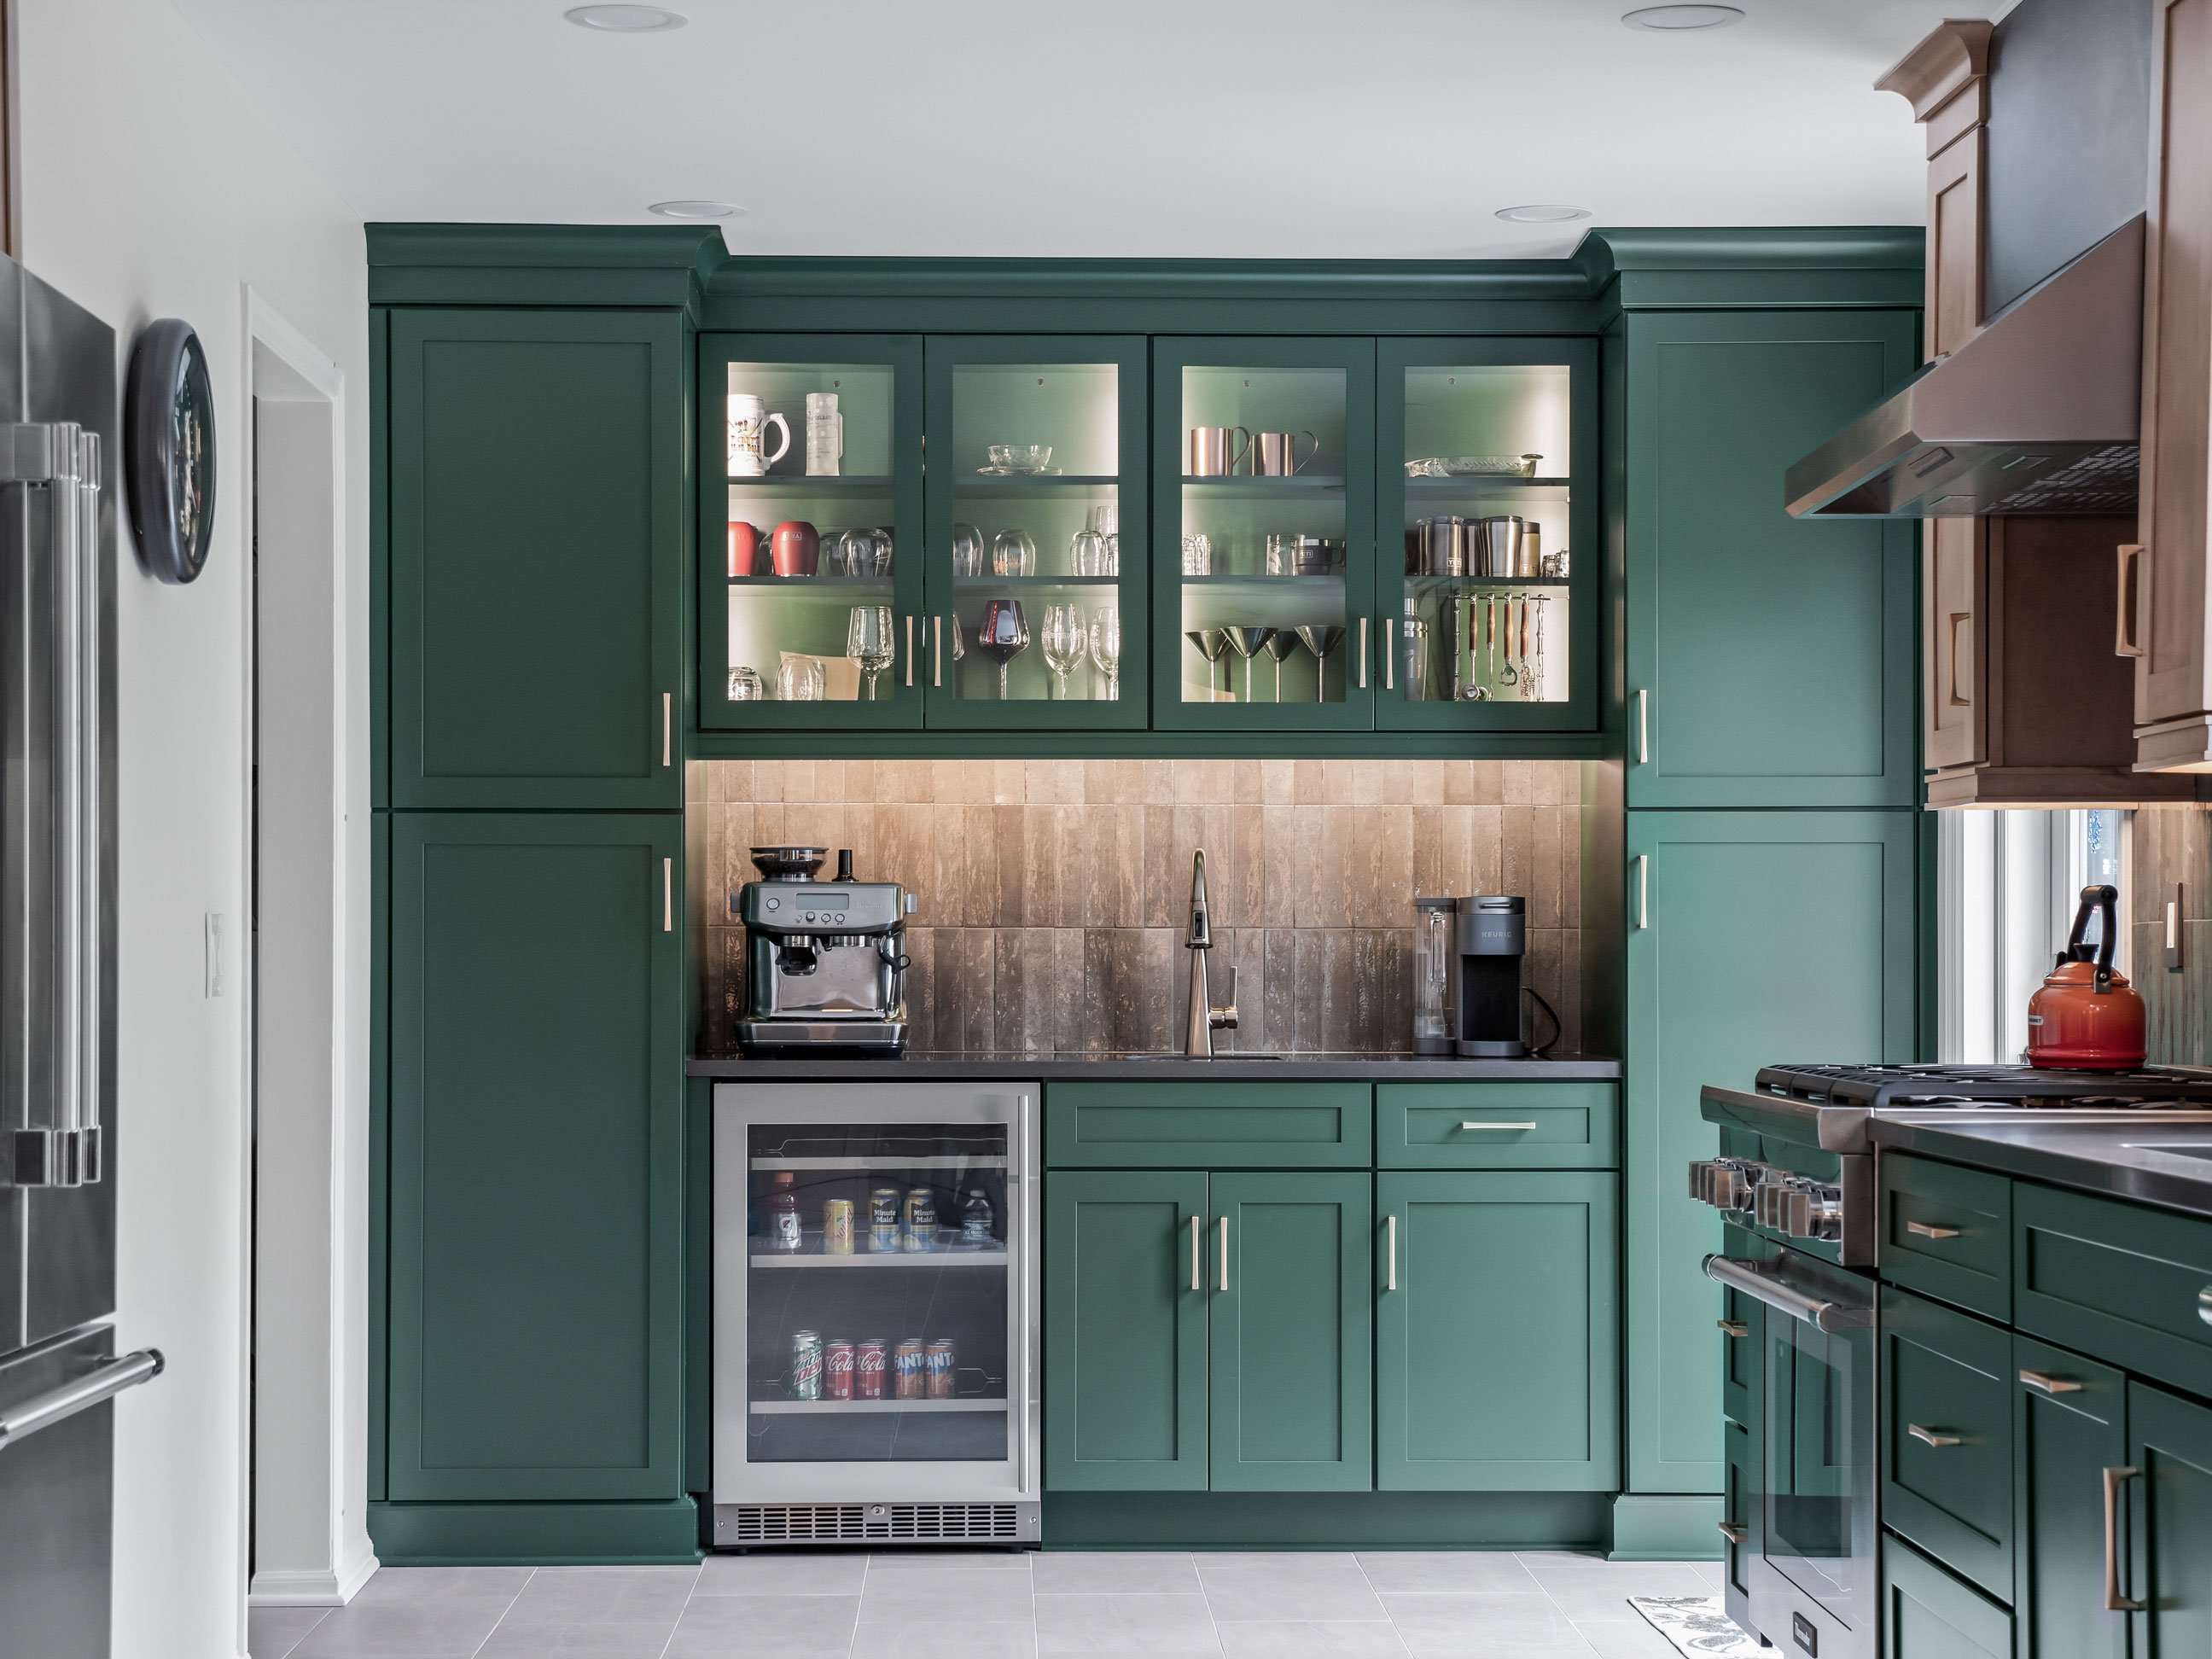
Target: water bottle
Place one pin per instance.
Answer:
(977, 1229)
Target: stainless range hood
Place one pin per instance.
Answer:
(2040, 413)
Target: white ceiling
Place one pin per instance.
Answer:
(1384, 129)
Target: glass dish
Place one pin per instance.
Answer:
(1474, 466)
(1022, 459)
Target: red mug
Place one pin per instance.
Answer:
(744, 548)
(795, 549)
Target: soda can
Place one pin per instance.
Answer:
(806, 1364)
(920, 1219)
(883, 1218)
(837, 1369)
(937, 1364)
(868, 1360)
(908, 1370)
(838, 1227)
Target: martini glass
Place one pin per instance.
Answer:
(1321, 639)
(1281, 641)
(1246, 642)
(1213, 644)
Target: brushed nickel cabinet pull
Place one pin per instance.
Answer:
(1642, 889)
(668, 896)
(1734, 1534)
(2204, 1305)
(1481, 1123)
(2114, 1601)
(2124, 630)
(1390, 1252)
(1644, 727)
(1931, 1437)
(1389, 653)
(1196, 1283)
(1224, 1253)
(909, 650)
(1929, 1230)
(667, 720)
(2049, 1384)
(1363, 653)
(1732, 1328)
(937, 651)
(1960, 619)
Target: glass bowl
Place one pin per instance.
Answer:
(1019, 457)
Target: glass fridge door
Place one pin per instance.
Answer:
(874, 1286)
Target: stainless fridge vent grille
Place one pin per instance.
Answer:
(865, 1523)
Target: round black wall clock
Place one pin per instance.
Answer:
(168, 434)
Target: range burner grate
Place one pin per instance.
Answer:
(1876, 1087)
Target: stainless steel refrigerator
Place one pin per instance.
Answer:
(58, 1366)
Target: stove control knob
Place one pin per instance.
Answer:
(1726, 1183)
(1802, 1208)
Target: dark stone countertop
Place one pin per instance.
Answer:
(1368, 1068)
(2119, 1158)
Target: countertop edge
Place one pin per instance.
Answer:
(2076, 1155)
(1581, 1068)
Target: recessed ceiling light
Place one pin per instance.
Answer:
(1672, 20)
(694, 209)
(1543, 213)
(626, 20)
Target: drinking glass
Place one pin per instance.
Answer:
(1197, 556)
(799, 680)
(1087, 555)
(1106, 647)
(1104, 519)
(1066, 642)
(967, 551)
(1004, 636)
(746, 685)
(1013, 554)
(854, 553)
(868, 641)
(882, 560)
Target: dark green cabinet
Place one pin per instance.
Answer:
(537, 504)
(2069, 1425)
(1125, 1330)
(1290, 1340)
(536, 1125)
(1497, 1319)
(1770, 660)
(1926, 1613)
(2169, 1515)
(1750, 935)
(1946, 1437)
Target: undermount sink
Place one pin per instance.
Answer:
(2181, 1149)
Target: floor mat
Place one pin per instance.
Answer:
(1699, 1626)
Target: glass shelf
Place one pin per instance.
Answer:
(1035, 484)
(1240, 487)
(799, 584)
(867, 1408)
(803, 484)
(885, 1259)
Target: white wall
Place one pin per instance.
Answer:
(152, 187)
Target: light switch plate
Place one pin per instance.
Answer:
(2172, 921)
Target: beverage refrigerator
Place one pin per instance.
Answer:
(875, 1307)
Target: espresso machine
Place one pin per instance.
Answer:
(825, 962)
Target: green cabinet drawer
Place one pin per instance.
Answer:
(1497, 1126)
(2130, 1284)
(1174, 1125)
(1946, 1436)
(1947, 1232)
(1926, 1613)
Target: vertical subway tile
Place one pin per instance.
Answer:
(921, 989)
(1009, 828)
(1279, 781)
(1279, 988)
(1071, 1012)
(1162, 898)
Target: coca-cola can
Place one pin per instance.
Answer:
(868, 1362)
(806, 1364)
(937, 1365)
(909, 1376)
(837, 1369)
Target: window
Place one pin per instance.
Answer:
(2008, 884)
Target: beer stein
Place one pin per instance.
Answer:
(750, 420)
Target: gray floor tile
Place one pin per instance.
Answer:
(713, 1627)
(1446, 1570)
(879, 1638)
(1290, 1590)
(629, 1641)
(1603, 1593)
(894, 1595)
(602, 1596)
(1535, 1559)
(1125, 1624)
(957, 1560)
(1280, 1639)
(781, 1575)
(389, 1584)
(448, 1627)
(1491, 1623)
(272, 1632)
(1627, 1638)
(1143, 1573)
(1243, 1560)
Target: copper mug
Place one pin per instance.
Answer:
(795, 549)
(1209, 454)
(744, 548)
(1274, 454)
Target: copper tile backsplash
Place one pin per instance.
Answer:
(1053, 894)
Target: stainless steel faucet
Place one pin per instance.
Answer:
(1205, 1016)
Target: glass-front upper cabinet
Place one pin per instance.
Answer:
(1038, 546)
(1487, 561)
(811, 461)
(1266, 534)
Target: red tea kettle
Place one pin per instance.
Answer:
(2086, 1017)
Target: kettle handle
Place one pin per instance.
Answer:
(2105, 901)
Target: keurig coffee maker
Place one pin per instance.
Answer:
(1494, 933)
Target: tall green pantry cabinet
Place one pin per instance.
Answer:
(532, 519)
(1768, 863)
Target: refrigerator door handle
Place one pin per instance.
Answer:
(103, 1382)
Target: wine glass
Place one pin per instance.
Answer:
(1004, 636)
(1321, 639)
(1213, 643)
(1246, 643)
(1280, 643)
(1066, 642)
(1013, 554)
(869, 642)
(1106, 647)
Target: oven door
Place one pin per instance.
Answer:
(1814, 1585)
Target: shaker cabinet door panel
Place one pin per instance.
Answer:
(2169, 1538)
(536, 558)
(2069, 1425)
(1125, 1307)
(1770, 659)
(536, 1099)
(1497, 1352)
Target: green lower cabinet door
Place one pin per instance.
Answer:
(1497, 1332)
(2169, 1534)
(535, 1191)
(1946, 1436)
(1926, 1613)
(1125, 1307)
(1292, 1334)
(2069, 1425)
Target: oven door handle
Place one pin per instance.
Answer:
(1830, 1317)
